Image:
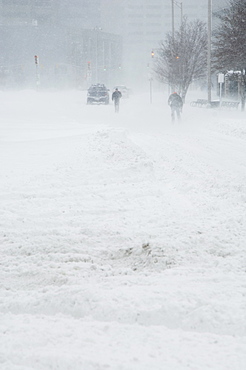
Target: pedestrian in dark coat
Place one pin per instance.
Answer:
(116, 99)
(176, 104)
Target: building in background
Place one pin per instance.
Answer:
(94, 55)
(66, 35)
(27, 12)
(79, 13)
(83, 41)
(143, 24)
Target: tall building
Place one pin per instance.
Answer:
(143, 24)
(194, 9)
(67, 37)
(79, 13)
(27, 12)
(95, 52)
(76, 32)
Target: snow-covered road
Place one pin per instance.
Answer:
(122, 237)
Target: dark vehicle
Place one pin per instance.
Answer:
(98, 94)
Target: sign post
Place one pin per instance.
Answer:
(36, 59)
(88, 74)
(221, 80)
(150, 89)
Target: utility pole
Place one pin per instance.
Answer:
(209, 49)
(172, 19)
(97, 55)
(36, 59)
(151, 78)
(180, 6)
(97, 52)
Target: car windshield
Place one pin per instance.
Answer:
(97, 88)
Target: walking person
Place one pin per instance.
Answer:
(116, 99)
(176, 104)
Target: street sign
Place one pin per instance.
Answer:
(221, 78)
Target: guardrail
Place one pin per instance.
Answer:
(203, 103)
(230, 104)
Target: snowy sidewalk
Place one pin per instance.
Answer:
(122, 238)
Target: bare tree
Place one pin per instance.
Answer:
(182, 57)
(230, 43)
